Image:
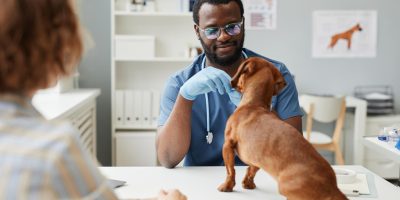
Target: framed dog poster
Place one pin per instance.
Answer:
(344, 33)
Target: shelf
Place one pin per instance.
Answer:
(157, 59)
(153, 14)
(140, 63)
(127, 127)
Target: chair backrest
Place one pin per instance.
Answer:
(324, 109)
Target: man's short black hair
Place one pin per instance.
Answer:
(199, 3)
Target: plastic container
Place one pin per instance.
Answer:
(393, 135)
(384, 135)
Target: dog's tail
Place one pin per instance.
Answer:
(333, 42)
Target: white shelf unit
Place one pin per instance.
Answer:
(133, 144)
(154, 14)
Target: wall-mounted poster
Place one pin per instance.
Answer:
(344, 34)
(260, 14)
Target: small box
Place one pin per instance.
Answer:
(122, 5)
(129, 47)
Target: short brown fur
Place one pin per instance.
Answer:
(262, 140)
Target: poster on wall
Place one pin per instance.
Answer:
(260, 14)
(344, 33)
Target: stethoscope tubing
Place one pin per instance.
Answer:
(203, 65)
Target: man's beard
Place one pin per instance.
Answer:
(223, 61)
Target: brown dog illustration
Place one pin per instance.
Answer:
(262, 140)
(347, 35)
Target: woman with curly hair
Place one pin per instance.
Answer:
(39, 43)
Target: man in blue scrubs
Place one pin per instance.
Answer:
(198, 100)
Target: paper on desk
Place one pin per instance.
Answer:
(361, 184)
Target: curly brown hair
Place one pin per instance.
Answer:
(39, 42)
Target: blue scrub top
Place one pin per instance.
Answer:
(200, 152)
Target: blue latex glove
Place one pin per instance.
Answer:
(207, 80)
(235, 96)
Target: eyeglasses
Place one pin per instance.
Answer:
(212, 33)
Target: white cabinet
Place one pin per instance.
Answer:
(85, 121)
(135, 148)
(75, 106)
(147, 48)
(373, 160)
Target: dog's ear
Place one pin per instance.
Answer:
(236, 77)
(245, 69)
(279, 81)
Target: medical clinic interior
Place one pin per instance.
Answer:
(200, 99)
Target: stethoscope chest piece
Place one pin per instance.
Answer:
(209, 137)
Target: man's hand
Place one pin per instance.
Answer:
(235, 96)
(207, 80)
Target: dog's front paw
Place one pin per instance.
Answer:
(226, 187)
(248, 184)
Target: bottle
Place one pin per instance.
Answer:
(149, 6)
(383, 135)
(398, 145)
(393, 135)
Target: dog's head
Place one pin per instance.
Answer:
(358, 27)
(256, 69)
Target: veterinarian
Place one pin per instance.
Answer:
(39, 42)
(198, 100)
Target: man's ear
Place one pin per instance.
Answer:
(196, 30)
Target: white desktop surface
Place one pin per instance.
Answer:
(56, 105)
(384, 148)
(199, 183)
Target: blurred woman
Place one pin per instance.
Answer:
(39, 43)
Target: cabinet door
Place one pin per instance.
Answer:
(84, 120)
(376, 162)
(136, 148)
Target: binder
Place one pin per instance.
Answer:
(137, 108)
(128, 107)
(155, 107)
(146, 108)
(119, 107)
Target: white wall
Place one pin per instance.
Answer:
(290, 43)
(95, 69)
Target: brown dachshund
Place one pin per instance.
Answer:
(346, 35)
(262, 140)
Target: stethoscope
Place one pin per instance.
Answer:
(210, 135)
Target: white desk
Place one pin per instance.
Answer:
(199, 183)
(384, 148)
(360, 116)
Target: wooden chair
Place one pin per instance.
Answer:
(325, 109)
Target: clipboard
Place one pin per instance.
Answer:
(115, 183)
